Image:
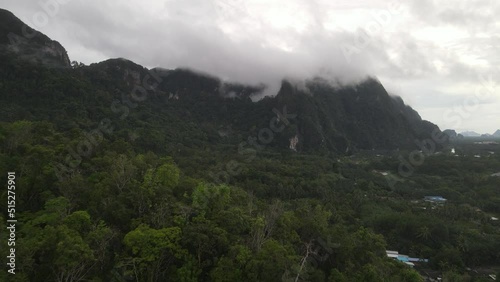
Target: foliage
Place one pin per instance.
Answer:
(174, 191)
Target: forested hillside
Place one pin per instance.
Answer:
(130, 174)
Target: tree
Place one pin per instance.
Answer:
(76, 65)
(122, 172)
(272, 262)
(236, 265)
(410, 275)
(19, 132)
(263, 226)
(150, 252)
(210, 198)
(205, 240)
(73, 256)
(337, 276)
(451, 276)
(157, 186)
(424, 232)
(227, 270)
(309, 251)
(63, 246)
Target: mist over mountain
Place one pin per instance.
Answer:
(332, 117)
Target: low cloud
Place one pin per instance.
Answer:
(422, 44)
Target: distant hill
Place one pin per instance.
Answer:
(497, 133)
(470, 134)
(452, 134)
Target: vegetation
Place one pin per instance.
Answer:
(182, 181)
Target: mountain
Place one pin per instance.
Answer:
(193, 109)
(363, 116)
(24, 42)
(497, 133)
(470, 134)
(452, 134)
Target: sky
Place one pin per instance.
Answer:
(441, 57)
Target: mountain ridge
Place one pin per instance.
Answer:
(329, 119)
(470, 134)
(23, 41)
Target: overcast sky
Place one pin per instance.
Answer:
(442, 58)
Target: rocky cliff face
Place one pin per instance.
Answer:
(348, 118)
(29, 44)
(56, 51)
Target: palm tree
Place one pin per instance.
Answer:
(424, 232)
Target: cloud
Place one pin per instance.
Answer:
(423, 46)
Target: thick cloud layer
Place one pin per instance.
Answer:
(441, 58)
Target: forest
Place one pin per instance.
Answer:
(115, 187)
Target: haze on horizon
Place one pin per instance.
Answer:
(440, 57)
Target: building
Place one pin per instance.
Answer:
(404, 258)
(392, 254)
(435, 199)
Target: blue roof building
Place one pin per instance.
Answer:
(404, 258)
